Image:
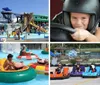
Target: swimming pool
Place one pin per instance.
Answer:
(26, 62)
(40, 79)
(25, 36)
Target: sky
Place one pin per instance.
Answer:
(38, 7)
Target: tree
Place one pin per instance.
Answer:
(73, 61)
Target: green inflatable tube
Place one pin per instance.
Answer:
(20, 76)
(44, 52)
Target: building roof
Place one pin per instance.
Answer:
(41, 18)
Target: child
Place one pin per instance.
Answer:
(92, 68)
(78, 68)
(59, 68)
(42, 61)
(9, 64)
(17, 34)
(83, 17)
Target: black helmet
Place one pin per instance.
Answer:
(91, 7)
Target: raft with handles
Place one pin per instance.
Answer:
(15, 76)
(44, 52)
(41, 69)
(28, 56)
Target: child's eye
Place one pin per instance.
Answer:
(74, 18)
(83, 17)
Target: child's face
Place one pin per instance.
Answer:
(10, 59)
(78, 66)
(80, 20)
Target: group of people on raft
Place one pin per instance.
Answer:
(10, 65)
(78, 68)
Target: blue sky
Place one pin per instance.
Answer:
(19, 6)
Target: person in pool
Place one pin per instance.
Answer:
(42, 61)
(17, 34)
(10, 65)
(23, 51)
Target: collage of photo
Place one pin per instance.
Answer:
(50, 42)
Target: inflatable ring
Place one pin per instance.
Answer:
(14, 76)
(17, 76)
(44, 52)
(41, 69)
(28, 57)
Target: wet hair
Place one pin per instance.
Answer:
(9, 56)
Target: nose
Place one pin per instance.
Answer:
(78, 22)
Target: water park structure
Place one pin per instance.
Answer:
(23, 27)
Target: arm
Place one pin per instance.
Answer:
(10, 63)
(97, 34)
(92, 38)
(82, 34)
(7, 64)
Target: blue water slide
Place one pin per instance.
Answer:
(6, 9)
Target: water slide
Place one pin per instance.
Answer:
(37, 27)
(7, 15)
(28, 19)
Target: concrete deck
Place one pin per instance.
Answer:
(76, 81)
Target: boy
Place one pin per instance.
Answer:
(81, 15)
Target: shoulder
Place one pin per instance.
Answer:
(6, 61)
(98, 30)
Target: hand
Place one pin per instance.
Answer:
(11, 63)
(80, 34)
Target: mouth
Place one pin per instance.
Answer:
(79, 27)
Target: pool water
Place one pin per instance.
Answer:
(36, 35)
(26, 62)
(40, 78)
(26, 36)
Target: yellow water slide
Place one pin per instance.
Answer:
(37, 27)
(28, 19)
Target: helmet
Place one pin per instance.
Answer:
(91, 7)
(24, 45)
